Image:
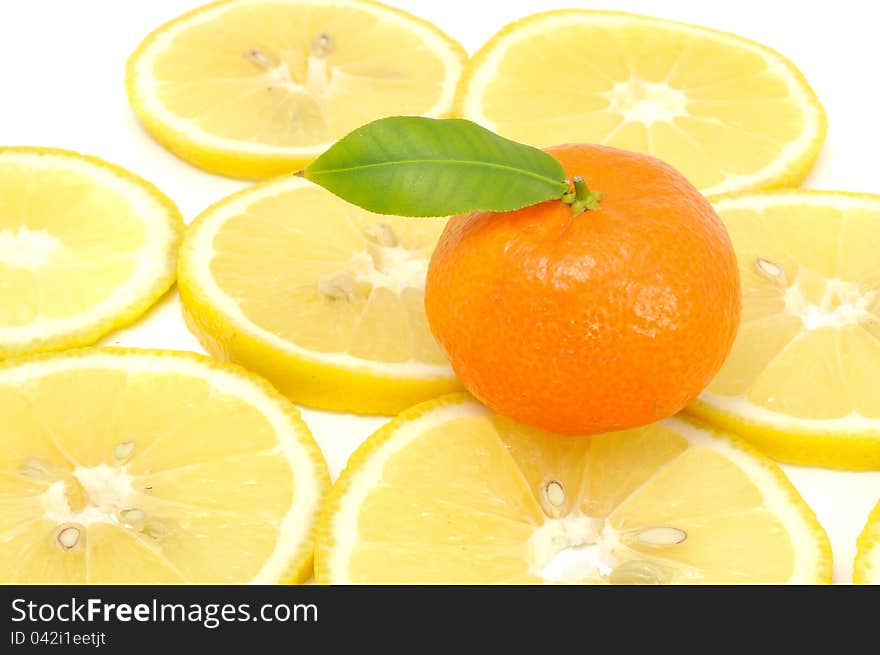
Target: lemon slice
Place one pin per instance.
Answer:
(728, 113)
(260, 87)
(121, 467)
(801, 382)
(450, 493)
(324, 299)
(866, 568)
(85, 247)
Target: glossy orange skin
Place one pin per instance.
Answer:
(609, 320)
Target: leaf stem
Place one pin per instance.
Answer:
(581, 199)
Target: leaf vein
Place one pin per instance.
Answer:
(439, 162)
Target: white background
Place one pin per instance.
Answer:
(61, 84)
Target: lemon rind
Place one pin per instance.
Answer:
(866, 566)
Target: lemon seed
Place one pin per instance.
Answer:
(132, 515)
(258, 57)
(123, 451)
(555, 493)
(771, 271)
(661, 536)
(322, 45)
(337, 286)
(68, 537)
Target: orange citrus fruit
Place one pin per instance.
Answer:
(584, 324)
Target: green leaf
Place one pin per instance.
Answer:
(413, 166)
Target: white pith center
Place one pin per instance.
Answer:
(394, 268)
(383, 264)
(27, 249)
(108, 491)
(572, 548)
(318, 75)
(843, 303)
(647, 102)
(576, 547)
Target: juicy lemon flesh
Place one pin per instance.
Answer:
(66, 243)
(295, 74)
(348, 283)
(108, 476)
(480, 499)
(715, 107)
(809, 343)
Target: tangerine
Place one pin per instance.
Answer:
(590, 323)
